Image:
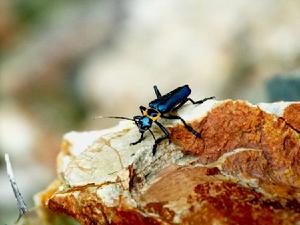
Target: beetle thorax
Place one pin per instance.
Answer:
(151, 113)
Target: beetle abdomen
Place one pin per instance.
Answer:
(167, 102)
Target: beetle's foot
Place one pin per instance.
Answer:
(198, 135)
(204, 100)
(195, 133)
(154, 148)
(134, 143)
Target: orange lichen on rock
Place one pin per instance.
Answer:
(207, 198)
(291, 115)
(83, 204)
(235, 125)
(229, 203)
(244, 170)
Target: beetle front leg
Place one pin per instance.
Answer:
(157, 141)
(138, 141)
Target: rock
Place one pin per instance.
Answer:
(244, 170)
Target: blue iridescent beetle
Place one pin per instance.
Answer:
(164, 106)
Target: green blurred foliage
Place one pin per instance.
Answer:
(30, 12)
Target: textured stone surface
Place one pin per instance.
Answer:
(244, 170)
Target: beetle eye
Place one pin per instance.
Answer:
(136, 119)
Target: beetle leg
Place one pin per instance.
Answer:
(160, 139)
(200, 101)
(188, 127)
(157, 92)
(152, 134)
(191, 100)
(140, 140)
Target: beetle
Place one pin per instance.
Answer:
(164, 106)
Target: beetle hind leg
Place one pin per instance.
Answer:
(192, 101)
(179, 105)
(200, 101)
(188, 127)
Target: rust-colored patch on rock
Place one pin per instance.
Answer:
(230, 125)
(131, 217)
(212, 171)
(229, 203)
(158, 208)
(253, 164)
(206, 198)
(175, 183)
(83, 204)
(246, 164)
(235, 124)
(292, 115)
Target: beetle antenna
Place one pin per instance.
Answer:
(21, 204)
(113, 117)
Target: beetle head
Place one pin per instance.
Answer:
(143, 123)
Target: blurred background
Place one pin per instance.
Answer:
(62, 62)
